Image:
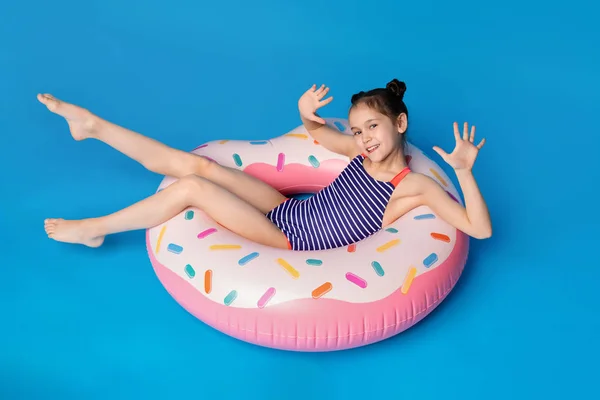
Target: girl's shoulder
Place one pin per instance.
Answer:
(413, 184)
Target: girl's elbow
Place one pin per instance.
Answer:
(483, 233)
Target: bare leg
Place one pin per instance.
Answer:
(160, 158)
(223, 206)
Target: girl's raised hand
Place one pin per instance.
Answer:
(311, 101)
(465, 152)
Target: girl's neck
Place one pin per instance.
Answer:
(394, 162)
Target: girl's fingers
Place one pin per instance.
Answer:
(456, 133)
(466, 131)
(324, 93)
(480, 145)
(472, 138)
(441, 152)
(320, 90)
(326, 101)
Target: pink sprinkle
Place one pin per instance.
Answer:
(205, 233)
(199, 147)
(280, 162)
(264, 299)
(357, 280)
(452, 196)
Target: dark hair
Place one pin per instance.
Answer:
(388, 101)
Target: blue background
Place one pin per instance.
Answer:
(523, 322)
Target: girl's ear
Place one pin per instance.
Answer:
(402, 123)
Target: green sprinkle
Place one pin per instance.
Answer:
(237, 159)
(312, 261)
(313, 161)
(393, 230)
(377, 267)
(189, 215)
(230, 297)
(189, 270)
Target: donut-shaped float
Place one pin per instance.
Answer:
(307, 300)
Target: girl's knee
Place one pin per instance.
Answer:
(193, 184)
(188, 163)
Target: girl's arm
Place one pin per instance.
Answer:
(474, 220)
(329, 138)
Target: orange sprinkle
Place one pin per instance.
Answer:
(440, 236)
(208, 281)
(316, 142)
(412, 271)
(352, 248)
(321, 290)
(223, 141)
(438, 176)
(298, 135)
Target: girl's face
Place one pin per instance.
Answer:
(376, 134)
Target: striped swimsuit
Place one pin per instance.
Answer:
(349, 210)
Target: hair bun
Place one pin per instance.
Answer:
(397, 87)
(357, 97)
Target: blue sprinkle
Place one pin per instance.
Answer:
(340, 126)
(377, 267)
(189, 270)
(189, 215)
(246, 259)
(259, 142)
(230, 297)
(393, 230)
(425, 216)
(175, 248)
(430, 259)
(315, 262)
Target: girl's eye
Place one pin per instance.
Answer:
(373, 126)
(357, 132)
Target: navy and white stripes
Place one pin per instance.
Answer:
(350, 209)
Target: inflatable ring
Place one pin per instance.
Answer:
(307, 300)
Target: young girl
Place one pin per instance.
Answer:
(375, 189)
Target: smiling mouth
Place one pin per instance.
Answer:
(372, 148)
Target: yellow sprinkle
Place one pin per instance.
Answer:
(225, 247)
(160, 236)
(298, 135)
(435, 173)
(412, 271)
(223, 141)
(389, 244)
(293, 272)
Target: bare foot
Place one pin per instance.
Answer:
(76, 231)
(83, 124)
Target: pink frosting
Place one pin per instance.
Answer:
(322, 324)
(297, 178)
(318, 324)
